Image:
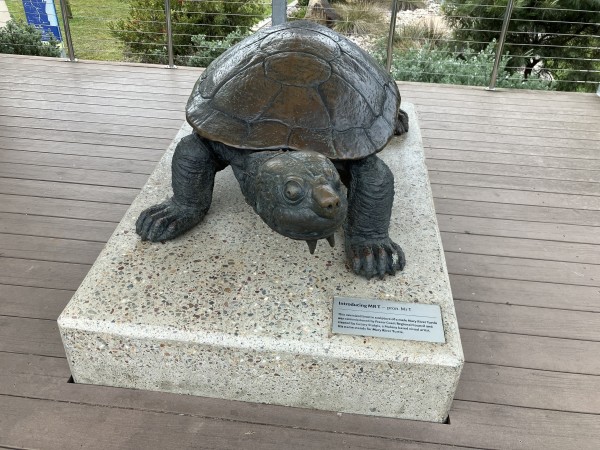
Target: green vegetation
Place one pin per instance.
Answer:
(91, 35)
(439, 64)
(359, 17)
(207, 50)
(299, 13)
(20, 38)
(89, 31)
(142, 31)
(558, 32)
(425, 31)
(15, 8)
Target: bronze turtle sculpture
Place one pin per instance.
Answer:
(295, 110)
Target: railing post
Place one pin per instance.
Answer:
(65, 18)
(500, 46)
(278, 12)
(391, 34)
(169, 34)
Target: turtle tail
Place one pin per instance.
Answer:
(401, 122)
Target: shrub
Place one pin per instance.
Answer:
(299, 13)
(426, 30)
(561, 33)
(143, 31)
(359, 18)
(20, 38)
(442, 65)
(208, 50)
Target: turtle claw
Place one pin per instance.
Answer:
(377, 258)
(166, 221)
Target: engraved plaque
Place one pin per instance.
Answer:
(385, 319)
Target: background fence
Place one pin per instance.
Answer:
(550, 44)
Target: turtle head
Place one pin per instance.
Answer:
(299, 195)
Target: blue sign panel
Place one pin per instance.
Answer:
(42, 15)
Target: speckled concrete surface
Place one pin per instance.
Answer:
(233, 310)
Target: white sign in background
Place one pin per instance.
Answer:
(392, 320)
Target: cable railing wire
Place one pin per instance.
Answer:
(534, 41)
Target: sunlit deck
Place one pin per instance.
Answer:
(516, 180)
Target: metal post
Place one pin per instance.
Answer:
(392, 33)
(65, 18)
(169, 34)
(278, 12)
(500, 45)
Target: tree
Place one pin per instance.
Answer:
(560, 34)
(143, 31)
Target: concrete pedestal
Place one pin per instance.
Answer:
(233, 310)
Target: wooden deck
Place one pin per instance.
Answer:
(516, 179)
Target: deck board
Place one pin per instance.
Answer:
(516, 181)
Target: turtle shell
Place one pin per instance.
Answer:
(300, 86)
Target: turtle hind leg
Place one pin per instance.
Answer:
(401, 122)
(193, 168)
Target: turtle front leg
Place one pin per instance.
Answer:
(369, 250)
(193, 170)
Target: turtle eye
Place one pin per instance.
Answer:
(293, 190)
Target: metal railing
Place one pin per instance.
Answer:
(422, 40)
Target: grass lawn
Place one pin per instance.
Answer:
(89, 26)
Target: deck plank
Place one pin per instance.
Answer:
(69, 175)
(518, 229)
(516, 181)
(515, 170)
(100, 163)
(505, 194)
(70, 191)
(32, 302)
(57, 207)
(55, 227)
(515, 158)
(522, 184)
(30, 144)
(549, 148)
(102, 428)
(521, 248)
(475, 203)
(25, 373)
(525, 293)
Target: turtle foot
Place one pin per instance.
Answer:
(166, 221)
(375, 258)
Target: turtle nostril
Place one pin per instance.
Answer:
(327, 200)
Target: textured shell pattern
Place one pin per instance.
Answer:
(298, 86)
